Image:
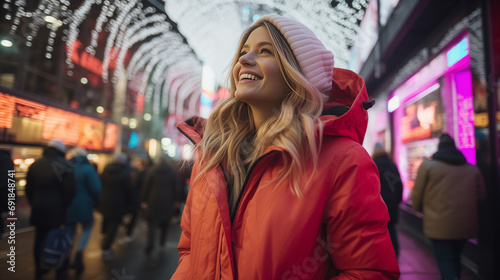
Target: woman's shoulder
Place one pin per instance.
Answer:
(339, 144)
(342, 149)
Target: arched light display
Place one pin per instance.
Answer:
(213, 27)
(158, 50)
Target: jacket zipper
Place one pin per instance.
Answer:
(225, 179)
(187, 136)
(240, 195)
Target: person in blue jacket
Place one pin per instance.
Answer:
(88, 190)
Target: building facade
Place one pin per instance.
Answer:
(433, 69)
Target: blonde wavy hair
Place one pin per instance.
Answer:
(231, 138)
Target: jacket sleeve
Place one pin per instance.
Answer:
(356, 218)
(184, 246)
(94, 183)
(418, 190)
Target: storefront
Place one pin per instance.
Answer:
(437, 99)
(442, 87)
(26, 126)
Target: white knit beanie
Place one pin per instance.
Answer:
(314, 59)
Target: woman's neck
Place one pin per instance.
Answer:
(260, 116)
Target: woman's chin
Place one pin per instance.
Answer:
(241, 96)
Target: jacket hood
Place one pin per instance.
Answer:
(448, 152)
(450, 155)
(344, 113)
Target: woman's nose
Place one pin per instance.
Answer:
(247, 59)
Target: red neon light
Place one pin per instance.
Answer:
(63, 125)
(6, 110)
(81, 57)
(91, 133)
(29, 109)
(111, 136)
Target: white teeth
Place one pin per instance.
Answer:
(249, 76)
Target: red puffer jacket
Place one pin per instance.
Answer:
(337, 230)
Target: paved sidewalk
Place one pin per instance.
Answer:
(129, 262)
(416, 260)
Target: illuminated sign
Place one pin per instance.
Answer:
(29, 109)
(464, 116)
(134, 140)
(6, 110)
(69, 127)
(458, 52)
(63, 125)
(91, 133)
(110, 136)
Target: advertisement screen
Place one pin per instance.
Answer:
(91, 133)
(417, 152)
(61, 124)
(423, 118)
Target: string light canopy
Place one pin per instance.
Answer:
(130, 28)
(213, 27)
(166, 42)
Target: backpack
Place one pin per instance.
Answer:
(56, 248)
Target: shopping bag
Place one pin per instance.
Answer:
(56, 248)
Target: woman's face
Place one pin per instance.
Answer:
(257, 75)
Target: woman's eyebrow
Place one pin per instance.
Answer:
(259, 44)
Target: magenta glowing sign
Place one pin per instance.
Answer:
(448, 78)
(464, 117)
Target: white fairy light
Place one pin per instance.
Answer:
(19, 13)
(211, 27)
(98, 28)
(8, 8)
(78, 17)
(176, 76)
(113, 32)
(146, 51)
(214, 37)
(142, 34)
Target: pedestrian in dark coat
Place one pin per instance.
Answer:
(391, 189)
(81, 209)
(117, 197)
(139, 183)
(50, 187)
(159, 198)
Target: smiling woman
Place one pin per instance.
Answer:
(257, 73)
(282, 188)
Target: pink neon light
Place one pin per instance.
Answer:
(464, 136)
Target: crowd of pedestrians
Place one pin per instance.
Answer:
(65, 191)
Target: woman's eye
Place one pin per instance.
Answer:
(266, 51)
(242, 53)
